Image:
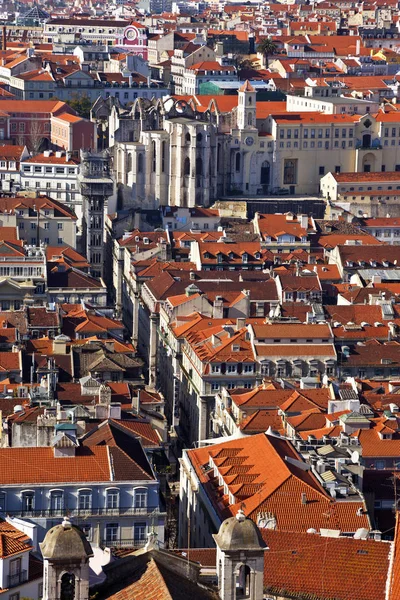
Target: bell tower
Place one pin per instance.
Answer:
(240, 559)
(66, 553)
(246, 111)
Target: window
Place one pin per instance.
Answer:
(47, 225)
(163, 155)
(231, 369)
(305, 134)
(248, 368)
(141, 498)
(85, 499)
(215, 368)
(322, 170)
(215, 386)
(56, 501)
(290, 172)
(237, 162)
(112, 499)
(154, 156)
(14, 596)
(186, 167)
(47, 240)
(112, 532)
(139, 532)
(28, 502)
(60, 226)
(49, 169)
(3, 499)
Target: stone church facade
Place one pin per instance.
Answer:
(171, 153)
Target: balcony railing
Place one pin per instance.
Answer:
(123, 543)
(17, 579)
(81, 512)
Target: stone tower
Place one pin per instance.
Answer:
(66, 553)
(240, 559)
(96, 186)
(246, 111)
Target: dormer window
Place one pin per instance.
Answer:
(245, 258)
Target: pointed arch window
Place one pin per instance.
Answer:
(153, 156)
(186, 167)
(163, 155)
(237, 162)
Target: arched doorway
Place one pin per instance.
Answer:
(368, 163)
(67, 586)
(265, 174)
(243, 582)
(366, 140)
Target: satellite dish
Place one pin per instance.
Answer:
(355, 457)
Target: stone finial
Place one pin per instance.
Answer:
(66, 523)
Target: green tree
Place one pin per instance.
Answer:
(267, 48)
(82, 105)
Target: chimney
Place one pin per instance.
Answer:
(240, 323)
(303, 220)
(59, 346)
(304, 498)
(109, 345)
(218, 308)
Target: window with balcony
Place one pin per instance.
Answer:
(139, 532)
(112, 532)
(57, 501)
(140, 498)
(112, 499)
(16, 574)
(85, 500)
(28, 502)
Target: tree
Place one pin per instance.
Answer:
(35, 137)
(267, 48)
(82, 105)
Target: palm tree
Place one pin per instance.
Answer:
(267, 48)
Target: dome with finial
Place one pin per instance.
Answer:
(239, 533)
(66, 542)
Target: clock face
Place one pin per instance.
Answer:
(249, 141)
(131, 34)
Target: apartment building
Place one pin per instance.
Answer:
(54, 174)
(40, 220)
(112, 492)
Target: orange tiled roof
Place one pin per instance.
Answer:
(306, 565)
(258, 473)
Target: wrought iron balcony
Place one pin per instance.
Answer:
(85, 512)
(17, 579)
(122, 543)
